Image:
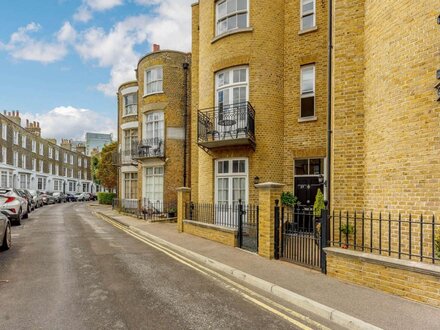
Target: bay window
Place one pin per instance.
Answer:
(130, 104)
(154, 131)
(153, 80)
(230, 15)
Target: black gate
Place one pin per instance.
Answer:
(299, 238)
(248, 227)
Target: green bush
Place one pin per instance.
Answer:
(288, 199)
(437, 243)
(319, 204)
(106, 198)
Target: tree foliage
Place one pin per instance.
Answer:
(106, 172)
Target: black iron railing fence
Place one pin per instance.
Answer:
(146, 209)
(149, 148)
(403, 236)
(223, 215)
(226, 122)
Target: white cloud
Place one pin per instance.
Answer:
(169, 25)
(70, 122)
(23, 46)
(84, 13)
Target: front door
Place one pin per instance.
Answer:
(230, 187)
(306, 188)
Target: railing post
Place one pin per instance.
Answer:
(324, 239)
(267, 194)
(183, 197)
(277, 230)
(240, 223)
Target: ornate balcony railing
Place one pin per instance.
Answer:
(227, 125)
(149, 148)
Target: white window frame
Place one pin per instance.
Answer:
(4, 155)
(57, 154)
(307, 14)
(230, 175)
(79, 161)
(25, 180)
(34, 164)
(65, 158)
(23, 161)
(85, 162)
(16, 137)
(23, 141)
(128, 185)
(307, 94)
(153, 176)
(4, 131)
(155, 81)
(50, 152)
(4, 179)
(230, 85)
(154, 128)
(34, 146)
(15, 160)
(41, 166)
(71, 159)
(131, 109)
(226, 17)
(41, 149)
(41, 183)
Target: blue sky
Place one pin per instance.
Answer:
(61, 61)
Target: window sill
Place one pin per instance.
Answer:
(228, 33)
(306, 119)
(155, 93)
(312, 29)
(132, 114)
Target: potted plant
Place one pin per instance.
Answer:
(288, 199)
(172, 212)
(347, 230)
(319, 204)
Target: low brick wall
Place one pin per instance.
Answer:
(408, 279)
(212, 232)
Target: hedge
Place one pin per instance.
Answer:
(106, 198)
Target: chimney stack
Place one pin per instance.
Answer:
(14, 116)
(32, 128)
(156, 47)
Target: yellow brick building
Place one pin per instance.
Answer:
(259, 97)
(152, 137)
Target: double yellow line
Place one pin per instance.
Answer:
(269, 305)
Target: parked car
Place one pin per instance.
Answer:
(47, 198)
(93, 197)
(86, 196)
(70, 198)
(80, 197)
(13, 205)
(59, 197)
(5, 232)
(36, 195)
(26, 194)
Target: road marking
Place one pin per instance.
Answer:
(243, 291)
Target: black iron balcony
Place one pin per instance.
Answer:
(227, 125)
(149, 148)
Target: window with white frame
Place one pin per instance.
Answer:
(65, 157)
(50, 152)
(41, 166)
(34, 146)
(85, 175)
(154, 129)
(79, 161)
(65, 172)
(57, 154)
(57, 170)
(4, 131)
(130, 185)
(57, 185)
(231, 181)
(307, 91)
(23, 161)
(4, 159)
(130, 104)
(153, 80)
(72, 186)
(25, 181)
(23, 141)
(71, 172)
(15, 159)
(232, 86)
(130, 140)
(308, 14)
(85, 162)
(15, 137)
(50, 168)
(154, 184)
(41, 149)
(4, 179)
(230, 15)
(71, 159)
(34, 164)
(80, 175)
(41, 183)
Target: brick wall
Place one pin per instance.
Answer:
(216, 234)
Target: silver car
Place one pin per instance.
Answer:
(5, 232)
(13, 205)
(37, 198)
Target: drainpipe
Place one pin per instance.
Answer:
(329, 97)
(185, 119)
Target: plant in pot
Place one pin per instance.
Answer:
(172, 212)
(288, 199)
(347, 230)
(319, 204)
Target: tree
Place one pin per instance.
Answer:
(95, 166)
(106, 172)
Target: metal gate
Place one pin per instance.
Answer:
(248, 227)
(298, 236)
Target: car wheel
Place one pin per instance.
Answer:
(25, 216)
(7, 240)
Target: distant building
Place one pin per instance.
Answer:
(96, 141)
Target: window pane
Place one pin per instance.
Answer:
(307, 5)
(242, 20)
(301, 167)
(232, 22)
(221, 9)
(231, 6)
(222, 26)
(315, 166)
(307, 106)
(241, 4)
(307, 79)
(307, 22)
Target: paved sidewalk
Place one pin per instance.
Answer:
(371, 306)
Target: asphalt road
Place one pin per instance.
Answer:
(68, 269)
